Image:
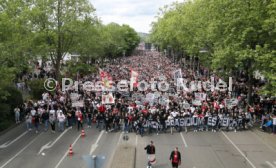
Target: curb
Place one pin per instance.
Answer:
(10, 128)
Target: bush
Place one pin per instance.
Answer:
(14, 99)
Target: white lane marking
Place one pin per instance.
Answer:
(184, 141)
(9, 143)
(66, 152)
(19, 152)
(113, 151)
(96, 144)
(252, 165)
(120, 138)
(270, 164)
(4, 145)
(50, 144)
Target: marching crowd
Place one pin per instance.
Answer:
(154, 111)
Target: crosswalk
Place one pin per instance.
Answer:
(271, 164)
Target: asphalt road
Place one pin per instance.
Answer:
(247, 149)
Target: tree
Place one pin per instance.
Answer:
(238, 35)
(56, 23)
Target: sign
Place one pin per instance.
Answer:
(196, 102)
(231, 102)
(74, 96)
(78, 104)
(200, 96)
(125, 94)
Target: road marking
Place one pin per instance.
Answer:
(120, 138)
(66, 153)
(184, 141)
(96, 144)
(238, 150)
(50, 144)
(136, 140)
(270, 164)
(9, 143)
(113, 152)
(19, 152)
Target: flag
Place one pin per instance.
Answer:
(106, 79)
(133, 78)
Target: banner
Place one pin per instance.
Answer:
(200, 96)
(108, 99)
(78, 104)
(196, 121)
(231, 102)
(196, 102)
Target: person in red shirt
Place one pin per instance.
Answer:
(175, 158)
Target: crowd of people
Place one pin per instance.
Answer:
(151, 110)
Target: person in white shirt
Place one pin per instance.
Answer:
(33, 111)
(174, 114)
(53, 112)
(61, 120)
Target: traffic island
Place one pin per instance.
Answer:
(124, 157)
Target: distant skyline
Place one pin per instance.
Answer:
(139, 14)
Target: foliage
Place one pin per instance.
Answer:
(14, 99)
(238, 35)
(37, 88)
(82, 69)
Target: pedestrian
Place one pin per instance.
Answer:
(175, 158)
(29, 121)
(36, 122)
(79, 117)
(45, 120)
(61, 120)
(17, 115)
(150, 149)
(89, 119)
(52, 120)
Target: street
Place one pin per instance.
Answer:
(199, 149)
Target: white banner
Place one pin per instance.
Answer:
(200, 96)
(78, 104)
(108, 99)
(196, 102)
(231, 102)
